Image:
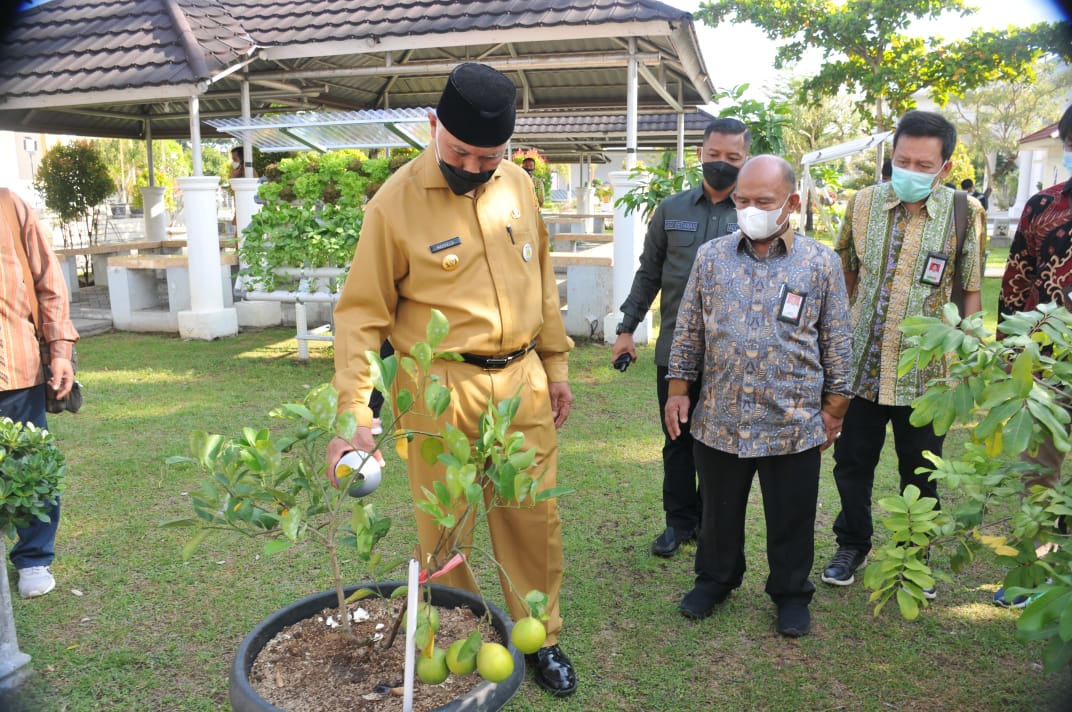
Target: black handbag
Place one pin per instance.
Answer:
(71, 402)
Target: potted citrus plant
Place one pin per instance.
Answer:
(274, 486)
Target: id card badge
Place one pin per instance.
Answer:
(792, 305)
(934, 269)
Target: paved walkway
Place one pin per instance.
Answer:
(91, 311)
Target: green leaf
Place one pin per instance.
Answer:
(1056, 656)
(437, 328)
(1017, 432)
(1021, 373)
(431, 449)
(276, 546)
(907, 604)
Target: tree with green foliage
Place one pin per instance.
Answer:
(768, 122)
(993, 118)
(74, 181)
(866, 52)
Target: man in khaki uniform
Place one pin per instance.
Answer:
(457, 229)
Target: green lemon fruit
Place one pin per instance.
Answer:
(433, 670)
(459, 667)
(528, 635)
(427, 615)
(494, 662)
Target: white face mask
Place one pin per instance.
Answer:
(760, 224)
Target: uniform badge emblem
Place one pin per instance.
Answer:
(450, 262)
(515, 213)
(526, 251)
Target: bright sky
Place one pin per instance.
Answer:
(747, 41)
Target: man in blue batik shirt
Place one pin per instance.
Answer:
(764, 325)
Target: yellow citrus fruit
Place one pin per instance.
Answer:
(528, 635)
(494, 662)
(433, 670)
(459, 667)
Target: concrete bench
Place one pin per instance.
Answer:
(589, 287)
(98, 256)
(133, 288)
(598, 256)
(557, 223)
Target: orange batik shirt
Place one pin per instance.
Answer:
(20, 358)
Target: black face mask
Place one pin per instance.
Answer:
(530, 171)
(462, 181)
(719, 174)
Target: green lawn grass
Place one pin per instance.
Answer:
(148, 631)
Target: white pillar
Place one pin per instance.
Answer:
(628, 244)
(245, 190)
(152, 199)
(251, 313)
(1026, 164)
(14, 664)
(207, 318)
(632, 79)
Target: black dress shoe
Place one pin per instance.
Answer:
(700, 602)
(671, 540)
(553, 671)
(794, 620)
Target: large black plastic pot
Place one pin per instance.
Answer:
(486, 696)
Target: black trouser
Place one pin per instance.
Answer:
(790, 486)
(856, 453)
(681, 497)
(375, 401)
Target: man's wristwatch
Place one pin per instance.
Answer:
(622, 329)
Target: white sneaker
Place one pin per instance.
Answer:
(35, 581)
(377, 426)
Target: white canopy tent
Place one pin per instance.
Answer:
(833, 153)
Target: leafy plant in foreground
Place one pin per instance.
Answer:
(32, 473)
(1011, 393)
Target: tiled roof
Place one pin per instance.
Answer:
(1048, 132)
(107, 67)
(62, 47)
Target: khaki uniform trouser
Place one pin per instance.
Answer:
(527, 540)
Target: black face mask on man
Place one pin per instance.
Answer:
(719, 174)
(462, 181)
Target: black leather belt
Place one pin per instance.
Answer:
(494, 363)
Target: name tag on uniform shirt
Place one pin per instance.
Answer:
(732, 228)
(445, 245)
(686, 225)
(792, 305)
(934, 269)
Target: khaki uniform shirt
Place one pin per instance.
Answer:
(481, 259)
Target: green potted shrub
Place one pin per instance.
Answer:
(274, 486)
(1008, 393)
(32, 470)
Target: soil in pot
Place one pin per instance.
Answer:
(313, 667)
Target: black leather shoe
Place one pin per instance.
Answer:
(794, 620)
(671, 540)
(553, 671)
(700, 602)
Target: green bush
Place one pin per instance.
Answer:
(312, 213)
(74, 180)
(32, 470)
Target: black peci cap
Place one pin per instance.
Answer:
(477, 105)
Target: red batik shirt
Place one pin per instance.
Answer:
(1040, 258)
(20, 358)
